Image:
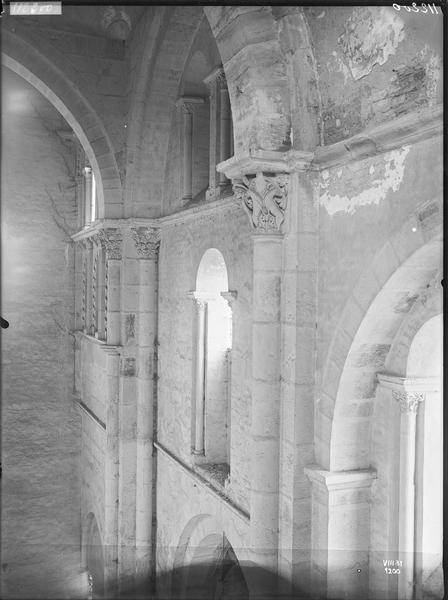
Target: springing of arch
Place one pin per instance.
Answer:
(92, 557)
(205, 558)
(362, 341)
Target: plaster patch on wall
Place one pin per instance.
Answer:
(370, 37)
(336, 64)
(390, 180)
(433, 71)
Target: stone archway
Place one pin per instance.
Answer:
(57, 80)
(93, 556)
(206, 564)
(362, 340)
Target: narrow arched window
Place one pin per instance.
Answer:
(211, 408)
(90, 211)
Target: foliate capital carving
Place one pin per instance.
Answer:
(111, 240)
(264, 198)
(229, 297)
(189, 103)
(408, 401)
(147, 241)
(217, 77)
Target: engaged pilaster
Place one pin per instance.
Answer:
(263, 196)
(187, 105)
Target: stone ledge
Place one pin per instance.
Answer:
(408, 129)
(204, 483)
(89, 412)
(410, 384)
(340, 480)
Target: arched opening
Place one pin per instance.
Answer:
(211, 420)
(95, 561)
(425, 364)
(215, 572)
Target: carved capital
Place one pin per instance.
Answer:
(200, 299)
(111, 240)
(147, 241)
(408, 401)
(230, 297)
(216, 77)
(264, 198)
(189, 103)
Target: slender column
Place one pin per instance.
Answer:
(409, 402)
(111, 483)
(201, 306)
(187, 105)
(87, 284)
(230, 297)
(112, 242)
(264, 199)
(87, 195)
(225, 127)
(211, 81)
(147, 245)
(79, 287)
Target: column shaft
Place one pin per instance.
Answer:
(199, 392)
(113, 301)
(187, 154)
(147, 323)
(225, 125)
(265, 399)
(407, 500)
(111, 483)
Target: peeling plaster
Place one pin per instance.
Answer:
(433, 71)
(336, 64)
(370, 37)
(391, 179)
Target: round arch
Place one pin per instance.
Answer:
(361, 343)
(57, 81)
(92, 553)
(212, 275)
(202, 545)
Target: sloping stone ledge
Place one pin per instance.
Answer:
(239, 512)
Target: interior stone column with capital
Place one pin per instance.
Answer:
(147, 242)
(264, 199)
(406, 396)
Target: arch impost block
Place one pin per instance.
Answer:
(340, 480)
(216, 76)
(409, 384)
(268, 161)
(230, 297)
(189, 103)
(201, 298)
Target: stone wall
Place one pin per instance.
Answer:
(362, 205)
(182, 248)
(40, 423)
(181, 521)
(375, 63)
